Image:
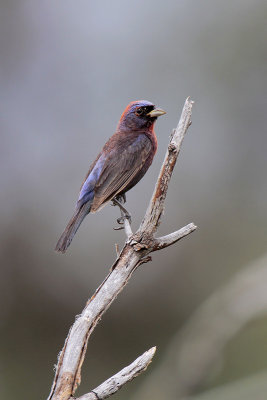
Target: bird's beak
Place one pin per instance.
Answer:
(157, 112)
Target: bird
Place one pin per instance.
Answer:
(122, 162)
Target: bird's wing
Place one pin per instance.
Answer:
(120, 168)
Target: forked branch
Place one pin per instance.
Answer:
(134, 253)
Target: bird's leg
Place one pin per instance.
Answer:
(120, 221)
(125, 219)
(117, 202)
(121, 198)
(124, 213)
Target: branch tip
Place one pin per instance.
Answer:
(127, 374)
(168, 240)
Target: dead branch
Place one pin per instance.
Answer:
(134, 253)
(127, 374)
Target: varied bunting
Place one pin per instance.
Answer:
(120, 165)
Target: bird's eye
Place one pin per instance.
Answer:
(139, 111)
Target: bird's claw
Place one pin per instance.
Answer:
(124, 213)
(121, 198)
(118, 228)
(121, 221)
(127, 216)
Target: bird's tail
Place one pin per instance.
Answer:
(72, 227)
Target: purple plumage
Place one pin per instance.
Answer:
(120, 165)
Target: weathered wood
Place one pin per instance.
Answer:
(127, 374)
(168, 240)
(154, 211)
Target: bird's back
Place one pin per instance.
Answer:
(124, 160)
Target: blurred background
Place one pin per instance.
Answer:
(67, 71)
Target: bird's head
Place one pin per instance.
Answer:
(139, 115)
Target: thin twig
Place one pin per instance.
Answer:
(134, 253)
(168, 240)
(127, 228)
(117, 249)
(127, 374)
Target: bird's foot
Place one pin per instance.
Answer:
(121, 221)
(124, 213)
(121, 198)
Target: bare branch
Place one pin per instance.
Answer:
(134, 253)
(151, 220)
(113, 384)
(165, 241)
(127, 228)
